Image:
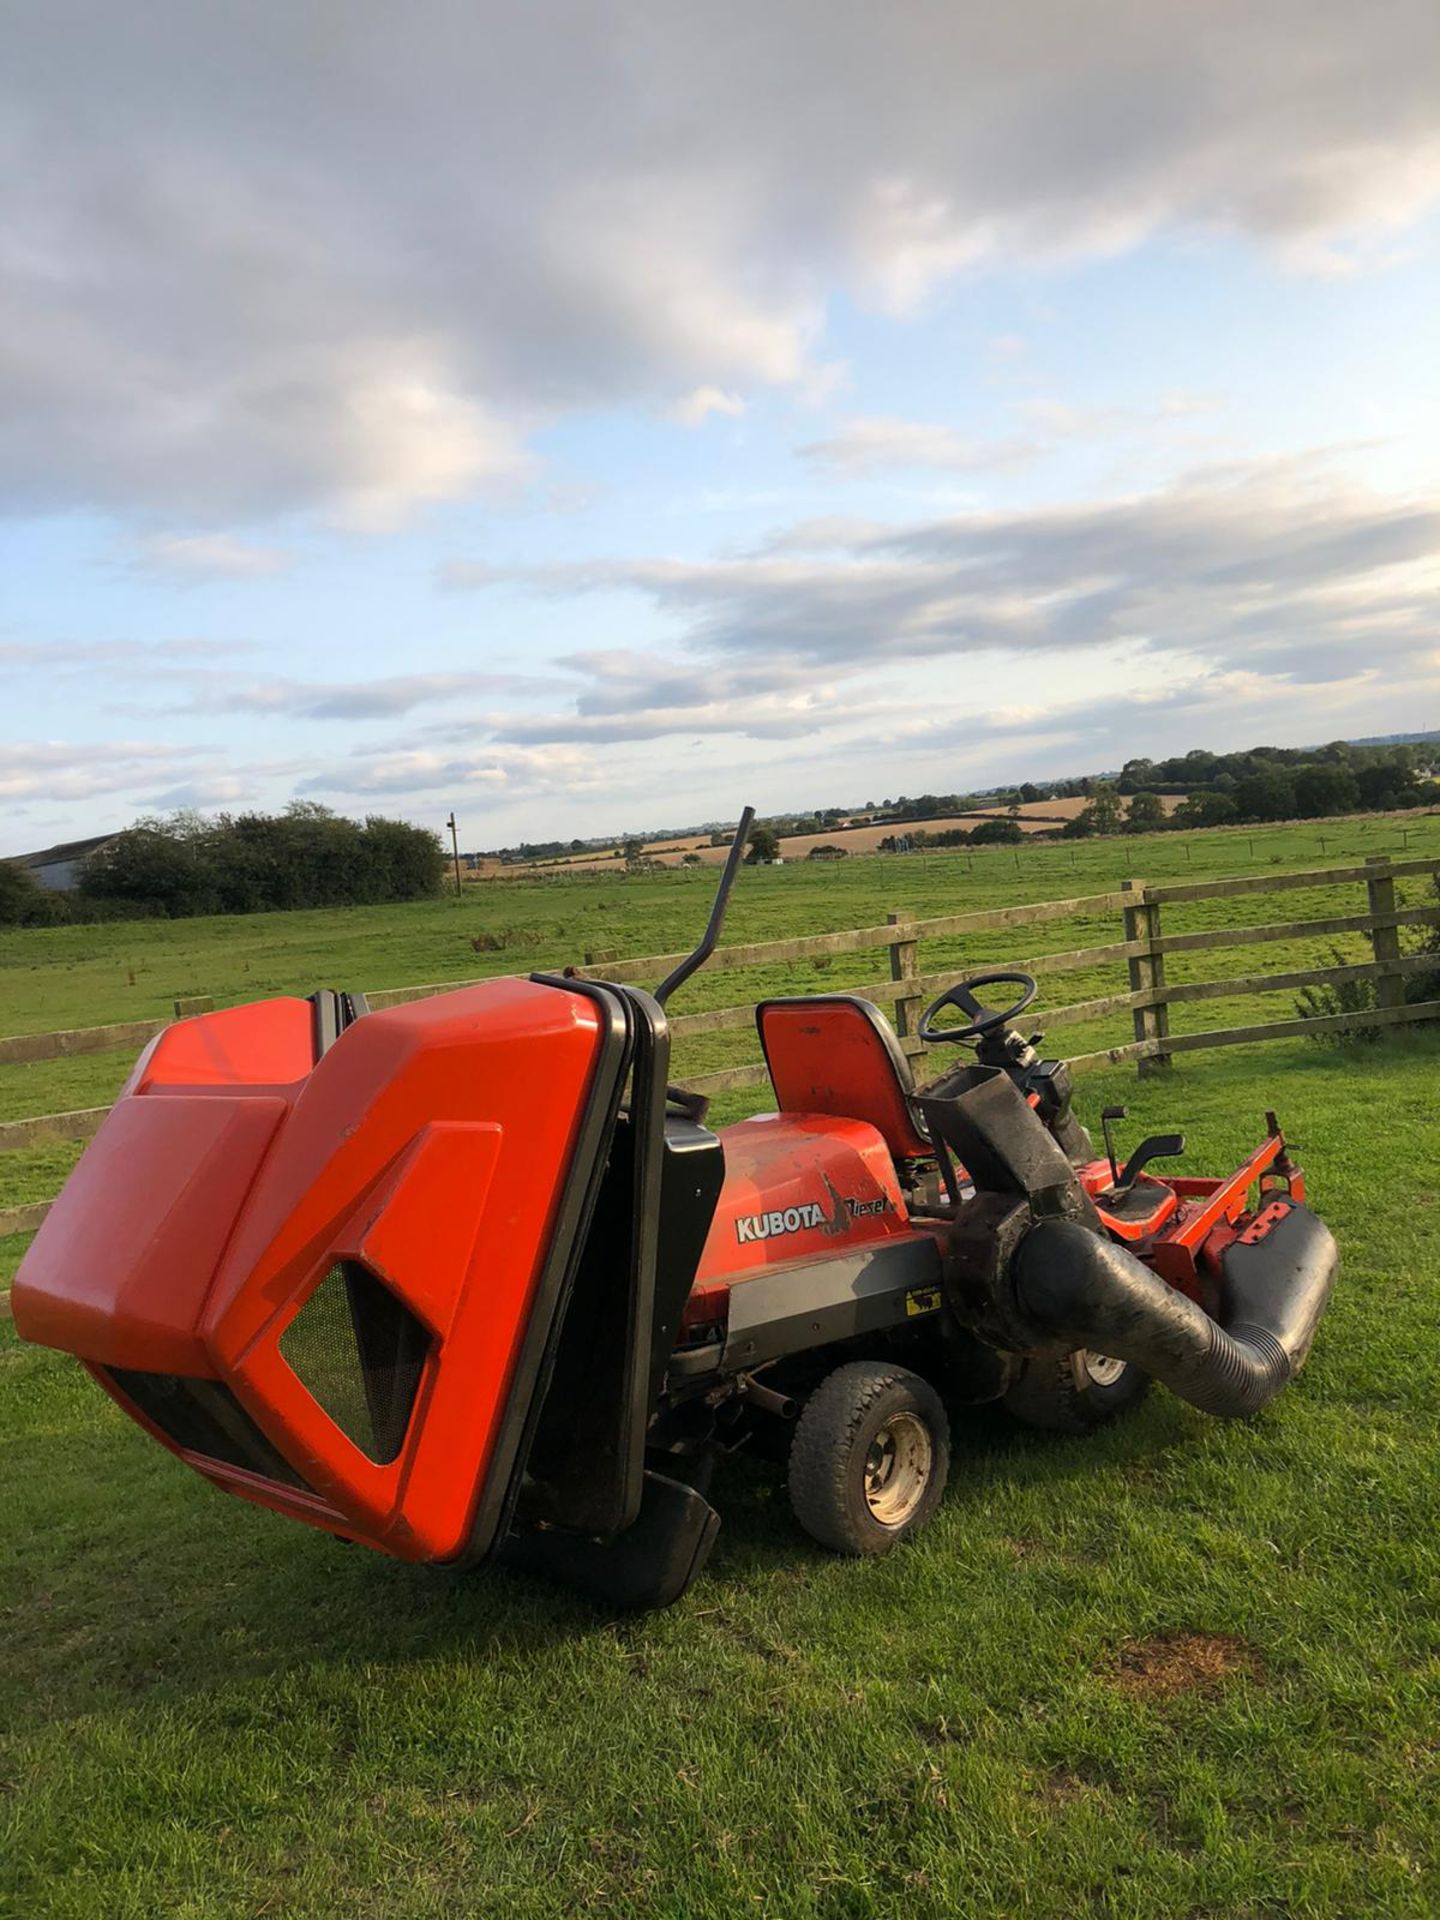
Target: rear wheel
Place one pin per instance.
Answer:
(1073, 1392)
(870, 1458)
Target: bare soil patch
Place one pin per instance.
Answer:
(1168, 1664)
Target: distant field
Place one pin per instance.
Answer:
(1033, 816)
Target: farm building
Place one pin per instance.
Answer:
(58, 868)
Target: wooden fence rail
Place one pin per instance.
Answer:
(1144, 949)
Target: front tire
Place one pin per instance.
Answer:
(870, 1458)
(1074, 1392)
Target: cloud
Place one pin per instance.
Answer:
(210, 556)
(1065, 422)
(507, 769)
(68, 770)
(258, 262)
(206, 790)
(381, 698)
(622, 679)
(865, 446)
(1278, 597)
(1279, 561)
(697, 406)
(756, 717)
(466, 576)
(123, 656)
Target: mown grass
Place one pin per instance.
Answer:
(1182, 1669)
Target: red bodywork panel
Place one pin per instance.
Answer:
(430, 1145)
(798, 1187)
(270, 1043)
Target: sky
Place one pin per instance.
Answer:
(595, 417)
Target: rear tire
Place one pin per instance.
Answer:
(1074, 1392)
(870, 1458)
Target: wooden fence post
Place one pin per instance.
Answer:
(1385, 941)
(1147, 971)
(905, 965)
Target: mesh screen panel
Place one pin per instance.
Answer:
(361, 1352)
(205, 1417)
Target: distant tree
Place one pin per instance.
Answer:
(1387, 785)
(1146, 814)
(1267, 795)
(1206, 809)
(1322, 790)
(764, 846)
(828, 852)
(1136, 776)
(260, 862)
(405, 862)
(691, 860)
(154, 868)
(1079, 826)
(1030, 793)
(23, 901)
(997, 833)
(1105, 807)
(1104, 814)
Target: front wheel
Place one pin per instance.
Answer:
(1074, 1392)
(870, 1458)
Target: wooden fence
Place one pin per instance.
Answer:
(1143, 947)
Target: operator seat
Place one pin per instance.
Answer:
(836, 1054)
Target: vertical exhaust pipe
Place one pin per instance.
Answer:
(693, 962)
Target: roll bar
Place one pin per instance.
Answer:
(694, 961)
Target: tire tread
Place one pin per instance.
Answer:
(822, 1453)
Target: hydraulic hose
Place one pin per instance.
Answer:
(1076, 1288)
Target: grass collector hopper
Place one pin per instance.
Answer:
(466, 1277)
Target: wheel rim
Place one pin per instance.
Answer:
(897, 1469)
(1099, 1369)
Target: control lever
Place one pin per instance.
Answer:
(1112, 1113)
(1159, 1146)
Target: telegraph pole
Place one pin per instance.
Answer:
(455, 849)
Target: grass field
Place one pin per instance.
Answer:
(1177, 1670)
(1180, 1669)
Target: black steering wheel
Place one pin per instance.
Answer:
(983, 1019)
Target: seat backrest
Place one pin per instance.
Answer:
(835, 1054)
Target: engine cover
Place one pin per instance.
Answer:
(800, 1187)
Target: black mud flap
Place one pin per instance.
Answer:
(650, 1564)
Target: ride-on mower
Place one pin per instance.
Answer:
(466, 1278)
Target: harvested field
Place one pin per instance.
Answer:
(1034, 816)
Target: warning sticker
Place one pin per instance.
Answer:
(922, 1300)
